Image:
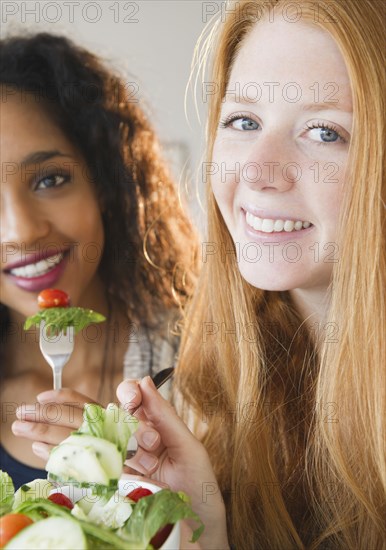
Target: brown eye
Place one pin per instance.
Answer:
(55, 180)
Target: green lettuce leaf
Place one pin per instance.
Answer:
(7, 490)
(58, 318)
(148, 515)
(153, 512)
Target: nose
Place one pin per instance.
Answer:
(271, 164)
(22, 220)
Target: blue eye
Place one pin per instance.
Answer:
(241, 123)
(54, 180)
(328, 135)
(245, 124)
(323, 133)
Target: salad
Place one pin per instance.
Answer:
(55, 310)
(83, 505)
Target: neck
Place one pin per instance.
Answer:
(312, 304)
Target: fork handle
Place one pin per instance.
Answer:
(57, 378)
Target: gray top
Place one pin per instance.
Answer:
(148, 353)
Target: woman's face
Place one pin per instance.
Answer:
(51, 228)
(280, 155)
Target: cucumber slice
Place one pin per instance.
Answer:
(108, 454)
(85, 459)
(50, 534)
(118, 427)
(70, 463)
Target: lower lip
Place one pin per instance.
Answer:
(274, 237)
(36, 284)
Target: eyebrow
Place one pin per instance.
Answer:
(317, 106)
(326, 106)
(42, 156)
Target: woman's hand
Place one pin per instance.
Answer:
(176, 457)
(47, 422)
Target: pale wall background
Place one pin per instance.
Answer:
(151, 43)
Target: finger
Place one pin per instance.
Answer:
(42, 450)
(51, 413)
(130, 397)
(45, 433)
(143, 462)
(148, 438)
(129, 394)
(65, 395)
(127, 479)
(174, 433)
(130, 471)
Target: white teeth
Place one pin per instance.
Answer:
(279, 225)
(269, 226)
(39, 268)
(30, 270)
(257, 223)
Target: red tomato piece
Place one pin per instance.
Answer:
(53, 297)
(138, 493)
(62, 500)
(162, 535)
(10, 525)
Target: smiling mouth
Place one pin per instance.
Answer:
(37, 269)
(267, 225)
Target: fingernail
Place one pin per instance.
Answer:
(46, 396)
(20, 427)
(130, 396)
(39, 449)
(149, 438)
(149, 462)
(23, 414)
(148, 380)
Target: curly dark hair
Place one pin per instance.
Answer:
(148, 239)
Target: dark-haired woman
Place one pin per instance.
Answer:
(87, 206)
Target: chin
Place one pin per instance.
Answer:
(278, 280)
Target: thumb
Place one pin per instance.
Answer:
(173, 431)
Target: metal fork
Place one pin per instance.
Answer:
(56, 348)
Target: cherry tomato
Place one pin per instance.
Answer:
(10, 525)
(162, 535)
(61, 499)
(138, 493)
(52, 297)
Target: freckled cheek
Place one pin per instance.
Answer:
(333, 195)
(225, 198)
(224, 183)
